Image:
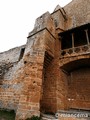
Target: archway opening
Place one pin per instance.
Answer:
(78, 84)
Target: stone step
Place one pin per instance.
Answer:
(48, 117)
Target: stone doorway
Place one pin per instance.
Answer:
(78, 77)
(79, 89)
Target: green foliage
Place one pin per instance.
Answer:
(7, 115)
(34, 118)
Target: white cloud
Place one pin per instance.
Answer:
(17, 18)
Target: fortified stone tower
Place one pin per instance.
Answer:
(51, 73)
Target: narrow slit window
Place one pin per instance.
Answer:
(21, 53)
(56, 24)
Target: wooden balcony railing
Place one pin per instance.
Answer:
(75, 51)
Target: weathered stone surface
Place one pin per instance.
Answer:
(79, 11)
(36, 78)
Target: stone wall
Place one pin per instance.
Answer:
(58, 17)
(54, 84)
(79, 12)
(33, 77)
(10, 87)
(11, 55)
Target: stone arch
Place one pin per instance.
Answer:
(71, 63)
(78, 78)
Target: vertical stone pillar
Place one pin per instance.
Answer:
(29, 103)
(86, 31)
(73, 41)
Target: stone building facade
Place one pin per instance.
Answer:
(51, 72)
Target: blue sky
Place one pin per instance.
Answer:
(17, 18)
